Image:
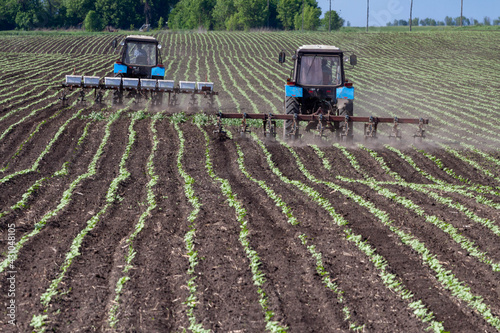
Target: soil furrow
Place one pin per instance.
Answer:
(154, 296)
(228, 299)
(104, 247)
(418, 278)
(48, 195)
(373, 304)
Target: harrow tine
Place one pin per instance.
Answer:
(210, 103)
(395, 133)
(346, 134)
(82, 96)
(172, 100)
(420, 134)
(244, 126)
(269, 126)
(221, 134)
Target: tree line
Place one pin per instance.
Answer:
(96, 15)
(449, 21)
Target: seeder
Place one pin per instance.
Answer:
(139, 73)
(318, 93)
(137, 88)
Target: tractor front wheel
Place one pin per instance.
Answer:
(291, 108)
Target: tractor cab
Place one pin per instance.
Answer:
(140, 58)
(318, 81)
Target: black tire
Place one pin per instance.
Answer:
(291, 107)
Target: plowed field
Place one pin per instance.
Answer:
(138, 219)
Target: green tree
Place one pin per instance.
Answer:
(8, 11)
(93, 22)
(310, 18)
(120, 13)
(286, 12)
(161, 23)
(76, 10)
(337, 21)
(449, 20)
(252, 13)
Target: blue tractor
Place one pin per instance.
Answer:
(317, 92)
(318, 86)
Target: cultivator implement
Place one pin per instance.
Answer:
(137, 88)
(340, 126)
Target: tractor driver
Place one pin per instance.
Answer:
(331, 71)
(141, 56)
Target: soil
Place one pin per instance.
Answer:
(155, 293)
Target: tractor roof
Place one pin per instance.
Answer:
(141, 38)
(319, 48)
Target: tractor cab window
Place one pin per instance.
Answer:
(143, 54)
(318, 69)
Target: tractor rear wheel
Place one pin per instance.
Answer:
(346, 108)
(291, 108)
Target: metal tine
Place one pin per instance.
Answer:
(420, 134)
(244, 126)
(269, 127)
(221, 134)
(321, 127)
(294, 134)
(346, 135)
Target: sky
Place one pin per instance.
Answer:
(383, 11)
